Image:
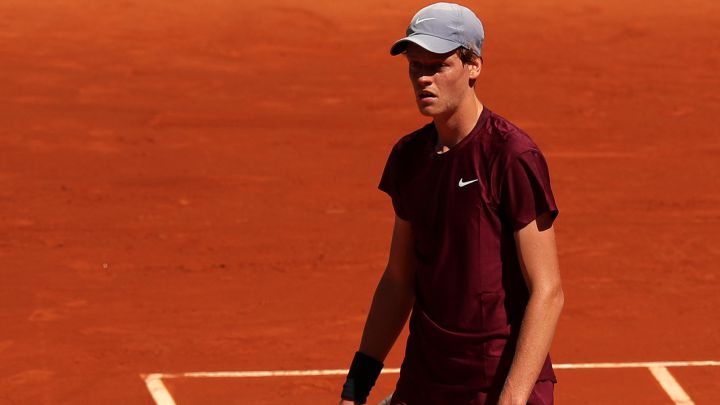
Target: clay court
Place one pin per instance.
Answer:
(189, 187)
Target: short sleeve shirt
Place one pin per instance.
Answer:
(464, 206)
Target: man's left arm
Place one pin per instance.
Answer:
(539, 263)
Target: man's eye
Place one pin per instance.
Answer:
(427, 68)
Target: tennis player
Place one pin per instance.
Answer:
(473, 260)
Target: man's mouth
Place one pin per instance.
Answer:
(426, 95)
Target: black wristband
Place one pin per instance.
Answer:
(363, 373)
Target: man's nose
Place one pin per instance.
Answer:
(423, 79)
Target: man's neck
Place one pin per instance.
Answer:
(453, 128)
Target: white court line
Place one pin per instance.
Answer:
(276, 373)
(162, 397)
(647, 364)
(310, 373)
(158, 390)
(671, 386)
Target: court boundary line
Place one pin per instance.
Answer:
(671, 386)
(658, 369)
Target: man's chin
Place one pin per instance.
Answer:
(427, 111)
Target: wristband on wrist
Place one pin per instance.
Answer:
(363, 373)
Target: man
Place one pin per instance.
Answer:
(473, 249)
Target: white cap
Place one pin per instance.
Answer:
(441, 28)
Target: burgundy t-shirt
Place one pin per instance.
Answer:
(464, 206)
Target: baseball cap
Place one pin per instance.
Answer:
(441, 28)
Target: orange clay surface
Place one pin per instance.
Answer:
(191, 186)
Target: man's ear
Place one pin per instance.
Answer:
(475, 66)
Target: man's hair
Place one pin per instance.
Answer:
(466, 55)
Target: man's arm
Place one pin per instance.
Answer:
(538, 259)
(394, 296)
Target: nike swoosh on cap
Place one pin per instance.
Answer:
(462, 183)
(418, 21)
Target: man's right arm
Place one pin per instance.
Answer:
(393, 298)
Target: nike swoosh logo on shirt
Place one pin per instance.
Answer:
(462, 183)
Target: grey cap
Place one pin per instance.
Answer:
(441, 28)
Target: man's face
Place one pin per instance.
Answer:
(441, 81)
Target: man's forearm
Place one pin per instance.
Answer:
(536, 334)
(389, 311)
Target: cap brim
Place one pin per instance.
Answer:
(428, 42)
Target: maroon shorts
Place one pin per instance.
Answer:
(542, 394)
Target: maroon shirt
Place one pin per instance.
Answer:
(464, 206)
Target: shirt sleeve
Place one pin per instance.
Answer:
(525, 192)
(389, 184)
